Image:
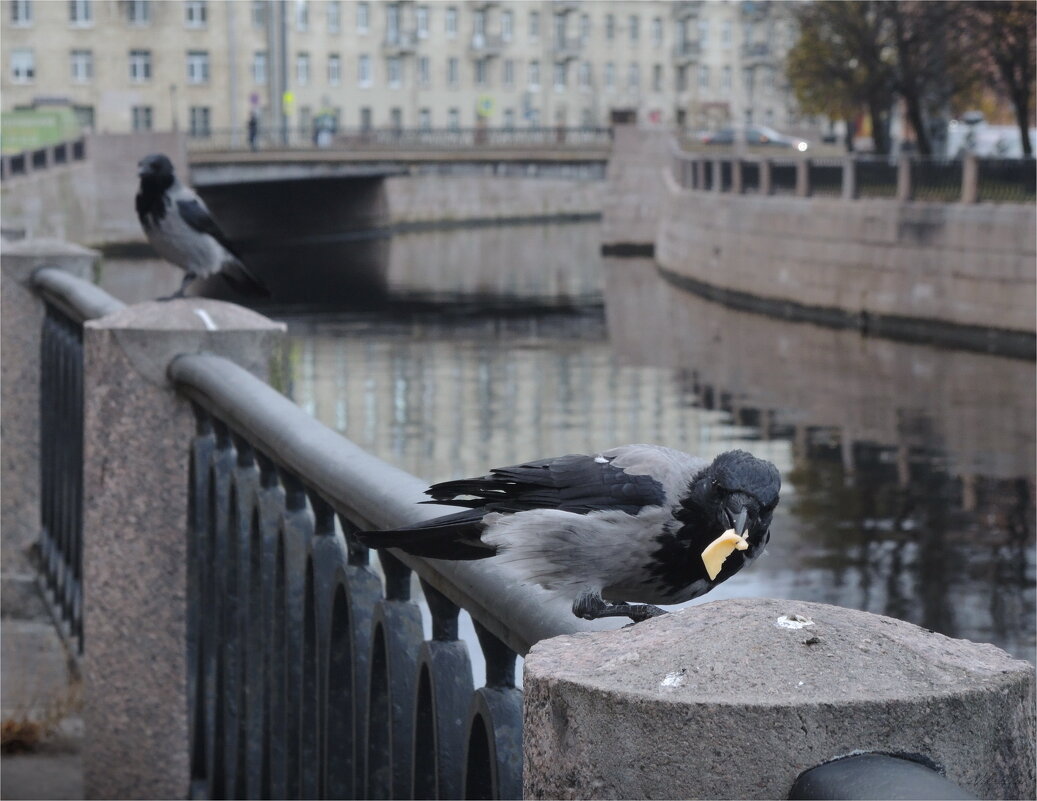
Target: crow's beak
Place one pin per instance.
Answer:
(739, 522)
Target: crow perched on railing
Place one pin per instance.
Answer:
(638, 523)
(180, 227)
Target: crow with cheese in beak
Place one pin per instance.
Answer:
(637, 523)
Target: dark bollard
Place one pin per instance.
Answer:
(874, 776)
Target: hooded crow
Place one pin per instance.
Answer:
(640, 523)
(182, 230)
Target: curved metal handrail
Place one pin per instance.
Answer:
(367, 490)
(74, 296)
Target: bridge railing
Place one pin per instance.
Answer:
(968, 180)
(13, 165)
(364, 139)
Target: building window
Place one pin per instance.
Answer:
(585, 75)
(81, 12)
(657, 78)
(197, 66)
(82, 65)
(334, 16)
(534, 25)
(559, 31)
(142, 118)
(610, 75)
(200, 121)
(258, 13)
(450, 21)
(533, 117)
(508, 69)
(507, 25)
(703, 33)
(657, 32)
(634, 76)
(425, 119)
(140, 65)
(610, 27)
(479, 25)
(23, 66)
(452, 71)
(392, 23)
(363, 17)
(585, 28)
(302, 16)
(635, 28)
(394, 71)
(363, 71)
(365, 118)
(682, 78)
(509, 118)
(396, 119)
(334, 69)
(21, 12)
(560, 76)
(196, 13)
(259, 67)
(453, 119)
(138, 12)
(725, 34)
(424, 73)
(704, 76)
(302, 68)
(725, 78)
(534, 75)
(421, 21)
(481, 72)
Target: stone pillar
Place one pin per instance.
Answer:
(766, 180)
(735, 699)
(970, 178)
(849, 178)
(905, 191)
(21, 318)
(137, 433)
(803, 187)
(736, 175)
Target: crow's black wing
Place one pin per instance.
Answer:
(573, 483)
(196, 215)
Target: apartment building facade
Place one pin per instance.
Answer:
(207, 65)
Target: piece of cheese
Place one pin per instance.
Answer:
(721, 548)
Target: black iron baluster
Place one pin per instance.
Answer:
(297, 533)
(444, 692)
(48, 441)
(397, 635)
(493, 755)
(199, 602)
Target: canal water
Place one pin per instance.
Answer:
(908, 477)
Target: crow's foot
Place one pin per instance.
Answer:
(591, 606)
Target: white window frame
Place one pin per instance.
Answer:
(363, 17)
(584, 75)
(197, 67)
(658, 77)
(302, 69)
(21, 13)
(421, 21)
(534, 26)
(425, 119)
(258, 13)
(453, 71)
(424, 71)
(81, 65)
(334, 16)
(259, 67)
(634, 76)
(140, 114)
(560, 76)
(508, 72)
(394, 72)
(453, 119)
(334, 69)
(364, 71)
(657, 32)
(196, 115)
(138, 13)
(635, 29)
(704, 76)
(450, 22)
(23, 65)
(726, 34)
(81, 13)
(481, 71)
(610, 75)
(725, 78)
(507, 25)
(533, 75)
(302, 16)
(196, 14)
(140, 65)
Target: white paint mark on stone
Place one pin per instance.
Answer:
(601, 460)
(674, 679)
(209, 324)
(793, 622)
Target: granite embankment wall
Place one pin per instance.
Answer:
(963, 271)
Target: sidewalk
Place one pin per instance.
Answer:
(37, 684)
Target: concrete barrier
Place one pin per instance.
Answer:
(734, 699)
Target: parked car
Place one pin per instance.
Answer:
(755, 135)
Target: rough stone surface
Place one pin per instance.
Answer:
(718, 701)
(21, 315)
(137, 441)
(634, 192)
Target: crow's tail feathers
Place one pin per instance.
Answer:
(449, 537)
(242, 281)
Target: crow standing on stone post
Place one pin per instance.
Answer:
(640, 523)
(180, 227)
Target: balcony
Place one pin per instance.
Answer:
(567, 48)
(756, 53)
(685, 53)
(483, 46)
(686, 9)
(400, 43)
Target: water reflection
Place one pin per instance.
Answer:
(908, 470)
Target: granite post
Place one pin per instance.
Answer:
(736, 698)
(137, 433)
(21, 320)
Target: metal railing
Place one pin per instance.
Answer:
(68, 303)
(966, 180)
(310, 673)
(41, 158)
(375, 139)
